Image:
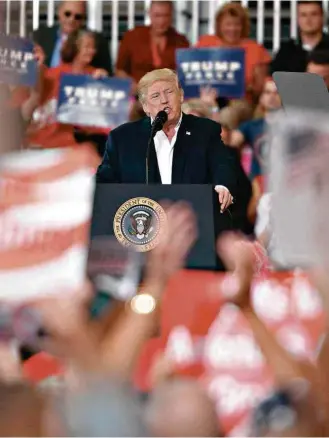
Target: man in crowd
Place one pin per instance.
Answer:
(146, 48)
(187, 150)
(71, 15)
(293, 54)
(318, 63)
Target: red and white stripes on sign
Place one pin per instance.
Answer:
(45, 212)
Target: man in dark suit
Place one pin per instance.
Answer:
(188, 150)
(71, 15)
(293, 54)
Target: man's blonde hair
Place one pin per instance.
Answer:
(163, 74)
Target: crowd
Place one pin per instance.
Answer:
(95, 395)
(70, 48)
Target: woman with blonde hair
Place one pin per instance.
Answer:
(232, 31)
(197, 107)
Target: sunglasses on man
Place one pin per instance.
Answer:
(77, 17)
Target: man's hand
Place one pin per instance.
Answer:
(225, 197)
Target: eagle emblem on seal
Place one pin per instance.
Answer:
(140, 225)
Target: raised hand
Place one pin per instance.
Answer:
(209, 95)
(39, 54)
(176, 241)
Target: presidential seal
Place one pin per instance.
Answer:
(137, 223)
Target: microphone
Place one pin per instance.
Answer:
(157, 125)
(158, 122)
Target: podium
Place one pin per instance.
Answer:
(109, 198)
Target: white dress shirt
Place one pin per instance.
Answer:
(164, 149)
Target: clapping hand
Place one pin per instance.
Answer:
(238, 257)
(176, 241)
(209, 95)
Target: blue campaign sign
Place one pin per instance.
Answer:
(220, 68)
(85, 101)
(17, 63)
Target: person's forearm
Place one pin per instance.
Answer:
(32, 103)
(283, 365)
(29, 106)
(260, 73)
(122, 346)
(322, 367)
(10, 365)
(320, 279)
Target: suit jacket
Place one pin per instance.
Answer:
(293, 57)
(46, 37)
(200, 156)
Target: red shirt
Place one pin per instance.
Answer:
(137, 55)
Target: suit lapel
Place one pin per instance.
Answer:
(154, 173)
(50, 42)
(181, 147)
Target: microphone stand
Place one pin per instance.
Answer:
(158, 123)
(148, 150)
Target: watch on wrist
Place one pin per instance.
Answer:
(143, 304)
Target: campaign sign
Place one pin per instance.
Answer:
(220, 68)
(85, 101)
(17, 63)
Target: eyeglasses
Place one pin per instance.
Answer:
(77, 17)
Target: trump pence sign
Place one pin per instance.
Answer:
(220, 68)
(85, 101)
(17, 63)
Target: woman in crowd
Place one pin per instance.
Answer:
(197, 107)
(232, 31)
(232, 116)
(44, 131)
(254, 133)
